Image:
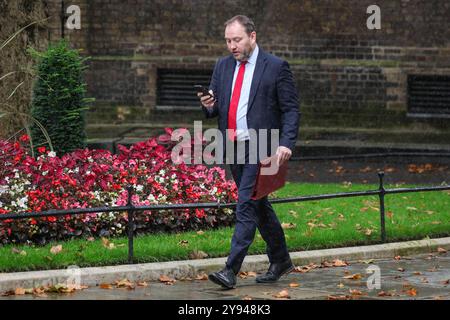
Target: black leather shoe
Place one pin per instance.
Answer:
(225, 278)
(276, 270)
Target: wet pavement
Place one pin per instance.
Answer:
(421, 277)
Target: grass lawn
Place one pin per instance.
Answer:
(310, 225)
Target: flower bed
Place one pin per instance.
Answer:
(95, 178)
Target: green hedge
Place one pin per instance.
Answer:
(59, 102)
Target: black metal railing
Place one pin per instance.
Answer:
(131, 209)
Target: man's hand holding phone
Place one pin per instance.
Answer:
(206, 97)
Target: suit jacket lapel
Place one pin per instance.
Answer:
(257, 76)
(230, 66)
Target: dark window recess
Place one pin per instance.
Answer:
(429, 95)
(176, 87)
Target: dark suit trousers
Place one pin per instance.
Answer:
(252, 214)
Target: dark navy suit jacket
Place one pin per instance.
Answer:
(273, 101)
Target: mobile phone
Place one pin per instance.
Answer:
(203, 90)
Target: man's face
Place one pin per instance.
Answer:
(239, 43)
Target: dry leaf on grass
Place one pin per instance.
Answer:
(107, 244)
(56, 249)
(197, 254)
(289, 225)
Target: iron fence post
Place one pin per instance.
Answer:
(381, 194)
(130, 226)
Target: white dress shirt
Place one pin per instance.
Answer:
(241, 117)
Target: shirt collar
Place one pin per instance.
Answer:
(253, 57)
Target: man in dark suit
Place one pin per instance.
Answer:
(253, 90)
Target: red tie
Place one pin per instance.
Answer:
(232, 113)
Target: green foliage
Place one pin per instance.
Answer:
(59, 102)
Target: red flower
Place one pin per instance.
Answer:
(24, 138)
(200, 213)
(41, 149)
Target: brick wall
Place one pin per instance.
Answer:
(343, 70)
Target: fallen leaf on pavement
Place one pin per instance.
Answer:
(202, 276)
(124, 283)
(341, 285)
(284, 294)
(446, 282)
(339, 263)
(19, 291)
(441, 250)
(355, 276)
(331, 297)
(412, 292)
(142, 284)
(166, 280)
(105, 286)
(390, 293)
(247, 298)
(401, 269)
(417, 273)
(397, 257)
(355, 292)
(326, 264)
(294, 285)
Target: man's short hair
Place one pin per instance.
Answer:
(245, 21)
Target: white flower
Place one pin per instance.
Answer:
(23, 203)
(90, 159)
(3, 189)
(77, 170)
(139, 188)
(151, 197)
(173, 176)
(161, 172)
(44, 173)
(52, 154)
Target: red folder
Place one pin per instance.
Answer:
(270, 177)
